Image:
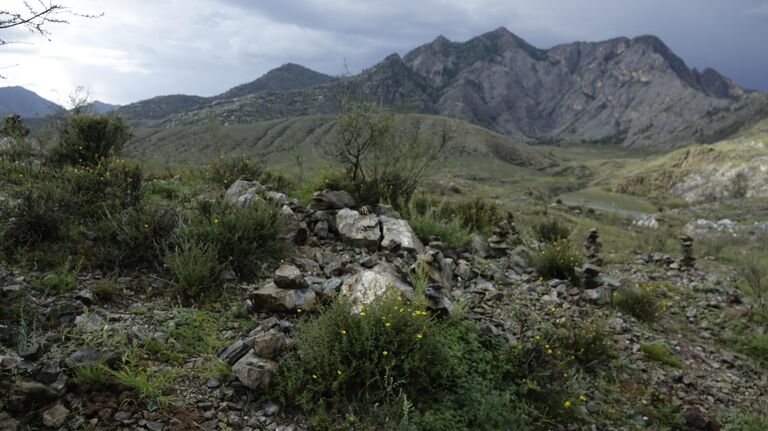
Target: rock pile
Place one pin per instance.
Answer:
(688, 261)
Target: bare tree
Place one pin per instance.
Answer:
(36, 16)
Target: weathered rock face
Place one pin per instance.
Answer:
(272, 298)
(289, 277)
(332, 200)
(359, 230)
(242, 192)
(398, 235)
(362, 288)
(634, 92)
(255, 372)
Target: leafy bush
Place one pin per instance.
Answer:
(135, 237)
(477, 215)
(62, 280)
(37, 216)
(392, 366)
(641, 302)
(196, 270)
(86, 140)
(662, 353)
(227, 170)
(747, 421)
(109, 185)
(586, 342)
(244, 238)
(557, 260)
(429, 223)
(551, 231)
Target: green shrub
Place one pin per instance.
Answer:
(477, 215)
(551, 231)
(429, 223)
(86, 140)
(135, 237)
(193, 334)
(747, 421)
(109, 185)
(63, 280)
(557, 260)
(585, 342)
(196, 270)
(662, 353)
(37, 216)
(392, 366)
(91, 374)
(641, 302)
(244, 238)
(227, 170)
(104, 290)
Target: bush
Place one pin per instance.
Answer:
(110, 185)
(245, 239)
(86, 140)
(227, 170)
(392, 366)
(477, 215)
(135, 237)
(586, 342)
(551, 231)
(557, 260)
(641, 302)
(196, 270)
(37, 216)
(429, 223)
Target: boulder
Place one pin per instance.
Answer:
(290, 277)
(255, 372)
(55, 416)
(362, 288)
(359, 230)
(480, 246)
(398, 235)
(270, 344)
(89, 322)
(235, 351)
(242, 192)
(332, 200)
(274, 299)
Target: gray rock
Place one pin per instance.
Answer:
(480, 246)
(270, 344)
(289, 277)
(154, 426)
(272, 298)
(255, 372)
(242, 192)
(332, 286)
(398, 235)
(49, 371)
(271, 408)
(359, 230)
(332, 200)
(8, 423)
(55, 416)
(89, 322)
(322, 229)
(85, 296)
(362, 288)
(599, 296)
(235, 351)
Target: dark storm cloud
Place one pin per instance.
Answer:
(144, 48)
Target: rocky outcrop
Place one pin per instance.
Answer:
(374, 232)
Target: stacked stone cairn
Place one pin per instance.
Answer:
(590, 271)
(686, 246)
(503, 234)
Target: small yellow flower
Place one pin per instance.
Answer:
(419, 336)
(298, 310)
(582, 397)
(314, 376)
(384, 353)
(388, 324)
(362, 313)
(343, 332)
(338, 372)
(567, 404)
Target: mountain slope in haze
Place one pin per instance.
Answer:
(99, 107)
(634, 92)
(26, 103)
(286, 77)
(276, 140)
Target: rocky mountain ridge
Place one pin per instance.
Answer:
(633, 92)
(26, 103)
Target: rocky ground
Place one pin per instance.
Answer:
(187, 368)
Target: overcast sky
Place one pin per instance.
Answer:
(144, 48)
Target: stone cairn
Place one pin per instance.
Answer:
(686, 246)
(502, 234)
(590, 271)
(592, 248)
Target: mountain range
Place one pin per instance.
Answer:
(633, 92)
(28, 104)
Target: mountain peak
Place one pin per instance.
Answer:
(26, 103)
(289, 76)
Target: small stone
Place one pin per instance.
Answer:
(32, 352)
(274, 299)
(213, 383)
(154, 426)
(290, 277)
(255, 372)
(271, 408)
(90, 322)
(124, 417)
(54, 417)
(85, 296)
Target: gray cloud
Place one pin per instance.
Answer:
(144, 48)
